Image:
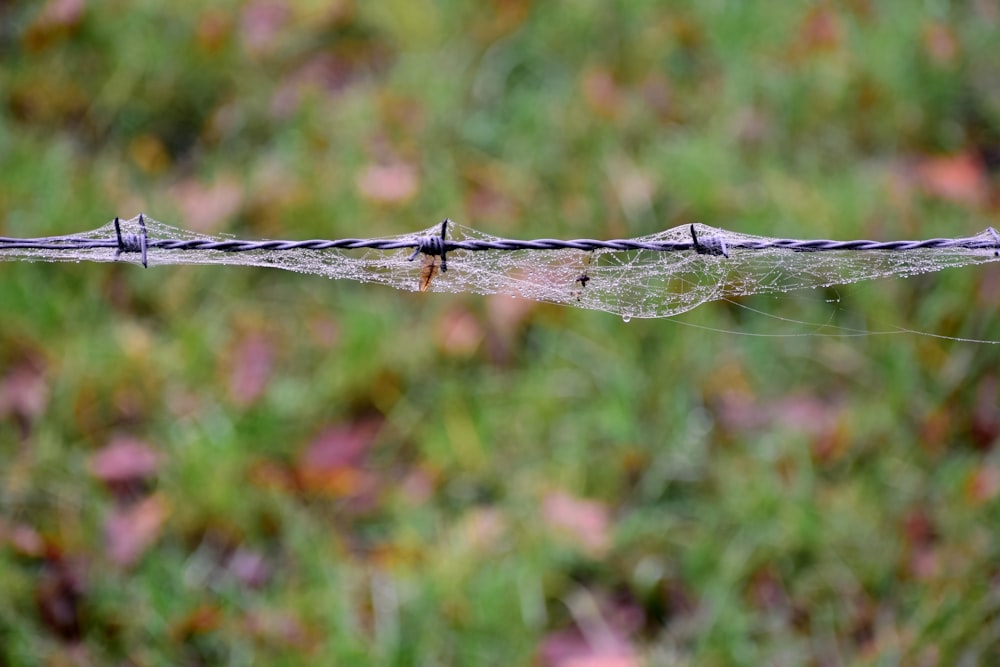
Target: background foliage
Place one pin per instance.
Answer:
(211, 465)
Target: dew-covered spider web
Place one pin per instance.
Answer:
(630, 283)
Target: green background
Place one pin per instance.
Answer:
(338, 473)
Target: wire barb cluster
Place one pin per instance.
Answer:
(440, 245)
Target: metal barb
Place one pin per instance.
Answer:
(131, 242)
(434, 246)
(121, 243)
(712, 245)
(143, 239)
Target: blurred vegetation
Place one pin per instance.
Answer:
(203, 465)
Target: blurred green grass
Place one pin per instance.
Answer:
(346, 474)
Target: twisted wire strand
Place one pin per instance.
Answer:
(439, 245)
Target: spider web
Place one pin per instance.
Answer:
(635, 283)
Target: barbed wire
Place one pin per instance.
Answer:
(440, 245)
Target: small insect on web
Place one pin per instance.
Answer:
(584, 276)
(659, 275)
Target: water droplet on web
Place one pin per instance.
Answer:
(626, 318)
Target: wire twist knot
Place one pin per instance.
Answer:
(132, 242)
(434, 246)
(710, 245)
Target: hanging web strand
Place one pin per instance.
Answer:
(660, 275)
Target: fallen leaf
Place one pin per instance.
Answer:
(214, 27)
(601, 93)
(388, 184)
(940, 43)
(459, 333)
(280, 628)
(199, 621)
(490, 194)
(985, 424)
(323, 330)
(633, 186)
(959, 178)
(767, 592)
(343, 445)
(483, 528)
(587, 523)
(58, 598)
(417, 487)
(124, 460)
(56, 20)
(25, 540)
(63, 12)
(206, 206)
(347, 62)
(820, 30)
(24, 391)
(261, 22)
(816, 417)
(600, 637)
(983, 485)
(149, 153)
(249, 567)
(658, 96)
(129, 532)
(332, 462)
(506, 319)
(271, 476)
(920, 555)
(252, 363)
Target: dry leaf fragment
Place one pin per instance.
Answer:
(428, 271)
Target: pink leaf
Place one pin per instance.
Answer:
(252, 364)
(130, 532)
(24, 391)
(250, 567)
(261, 23)
(959, 178)
(124, 460)
(333, 462)
(585, 522)
(388, 184)
(206, 207)
(600, 636)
